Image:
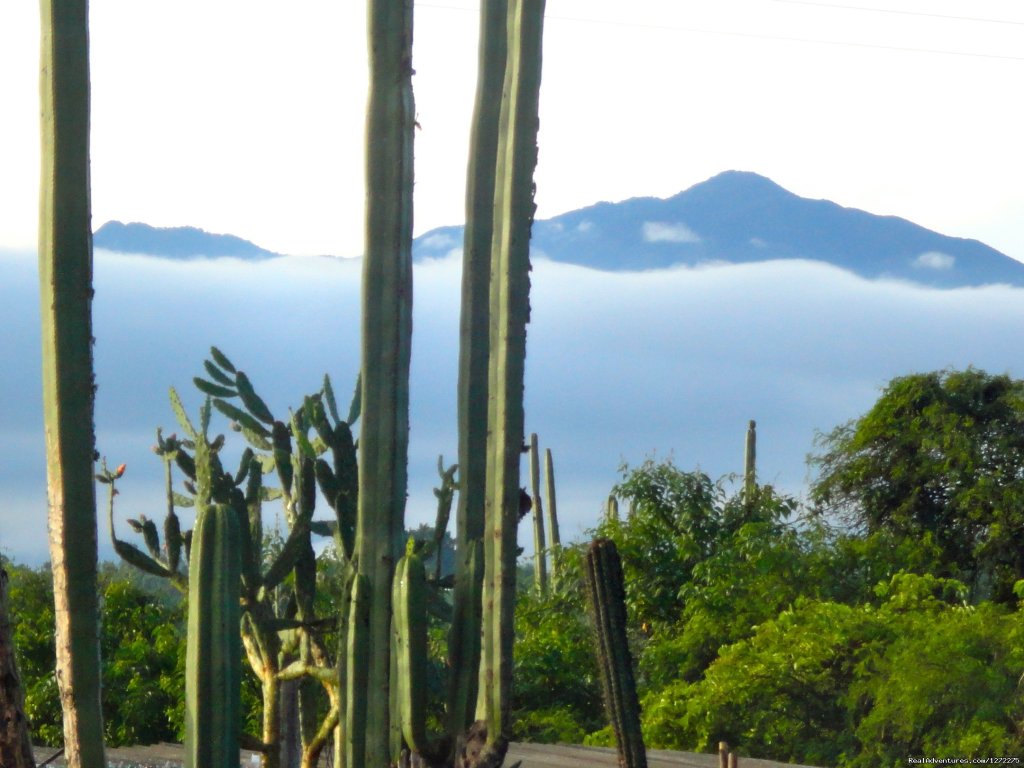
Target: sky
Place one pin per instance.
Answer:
(247, 118)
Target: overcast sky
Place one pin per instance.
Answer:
(670, 364)
(247, 117)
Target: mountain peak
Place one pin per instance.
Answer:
(746, 182)
(742, 217)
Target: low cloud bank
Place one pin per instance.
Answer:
(620, 366)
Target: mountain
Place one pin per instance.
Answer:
(174, 242)
(740, 217)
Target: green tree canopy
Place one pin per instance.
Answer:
(940, 456)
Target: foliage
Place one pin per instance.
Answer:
(674, 523)
(939, 454)
(947, 686)
(773, 695)
(825, 683)
(557, 696)
(140, 641)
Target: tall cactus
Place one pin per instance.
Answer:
(540, 566)
(474, 356)
(386, 344)
(509, 310)
(554, 537)
(65, 277)
(607, 593)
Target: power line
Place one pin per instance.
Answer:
(756, 35)
(897, 12)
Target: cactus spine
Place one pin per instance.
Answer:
(65, 278)
(607, 594)
(554, 537)
(540, 568)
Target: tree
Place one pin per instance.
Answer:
(940, 456)
(674, 523)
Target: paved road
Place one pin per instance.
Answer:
(532, 755)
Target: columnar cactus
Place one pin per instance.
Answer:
(474, 356)
(540, 568)
(611, 511)
(606, 589)
(65, 278)
(554, 537)
(510, 309)
(386, 345)
(750, 462)
(213, 667)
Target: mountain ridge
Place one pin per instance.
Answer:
(742, 217)
(734, 217)
(184, 243)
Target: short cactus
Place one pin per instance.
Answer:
(213, 672)
(606, 590)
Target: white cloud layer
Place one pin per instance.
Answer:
(619, 366)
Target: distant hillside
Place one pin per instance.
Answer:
(174, 242)
(743, 217)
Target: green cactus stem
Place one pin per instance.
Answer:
(357, 673)
(750, 462)
(213, 673)
(612, 509)
(509, 310)
(386, 344)
(540, 566)
(445, 495)
(65, 280)
(554, 537)
(607, 594)
(474, 353)
(410, 606)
